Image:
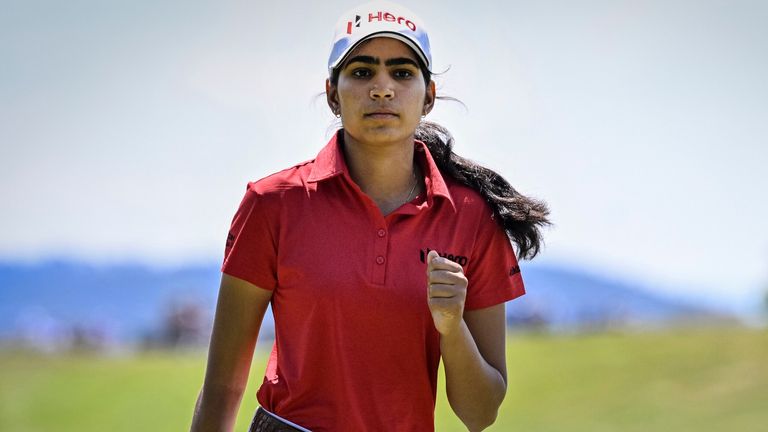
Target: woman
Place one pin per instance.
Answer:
(384, 254)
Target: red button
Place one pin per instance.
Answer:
(381, 233)
(379, 260)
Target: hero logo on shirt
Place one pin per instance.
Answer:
(458, 259)
(514, 270)
(230, 240)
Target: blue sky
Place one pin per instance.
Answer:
(128, 129)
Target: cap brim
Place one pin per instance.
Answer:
(394, 35)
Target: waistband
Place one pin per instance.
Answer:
(265, 421)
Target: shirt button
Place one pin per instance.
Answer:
(379, 260)
(381, 233)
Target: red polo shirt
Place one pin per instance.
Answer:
(355, 346)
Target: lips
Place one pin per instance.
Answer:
(382, 114)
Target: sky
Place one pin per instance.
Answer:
(129, 129)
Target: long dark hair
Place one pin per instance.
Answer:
(521, 217)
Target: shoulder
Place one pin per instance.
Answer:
(277, 184)
(467, 200)
(269, 193)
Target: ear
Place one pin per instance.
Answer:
(429, 98)
(332, 97)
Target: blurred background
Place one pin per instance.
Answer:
(128, 131)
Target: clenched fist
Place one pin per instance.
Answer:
(446, 292)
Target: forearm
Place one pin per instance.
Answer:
(475, 388)
(225, 380)
(216, 409)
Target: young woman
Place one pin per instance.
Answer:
(380, 257)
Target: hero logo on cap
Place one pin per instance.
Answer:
(378, 19)
(386, 16)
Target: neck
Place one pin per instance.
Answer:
(384, 172)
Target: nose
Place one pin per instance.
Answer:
(382, 92)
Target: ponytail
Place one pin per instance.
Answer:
(521, 217)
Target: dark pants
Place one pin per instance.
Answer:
(263, 422)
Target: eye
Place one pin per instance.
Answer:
(361, 73)
(403, 73)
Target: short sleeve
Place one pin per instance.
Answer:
(251, 249)
(493, 273)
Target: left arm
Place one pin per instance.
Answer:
(471, 345)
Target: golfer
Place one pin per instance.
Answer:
(384, 255)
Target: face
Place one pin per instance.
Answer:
(381, 94)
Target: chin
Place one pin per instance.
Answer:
(381, 134)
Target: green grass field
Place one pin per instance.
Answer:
(681, 380)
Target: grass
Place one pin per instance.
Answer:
(682, 380)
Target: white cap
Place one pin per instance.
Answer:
(378, 19)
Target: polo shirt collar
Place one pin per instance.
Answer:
(330, 163)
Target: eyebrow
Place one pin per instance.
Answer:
(390, 62)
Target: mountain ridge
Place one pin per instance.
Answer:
(132, 298)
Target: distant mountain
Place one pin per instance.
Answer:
(563, 299)
(131, 301)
